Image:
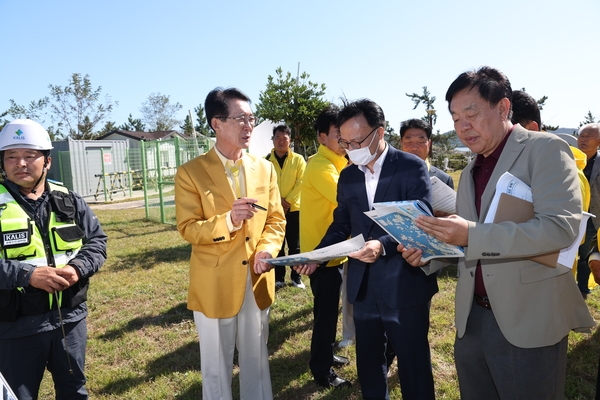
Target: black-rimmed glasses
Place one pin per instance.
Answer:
(354, 145)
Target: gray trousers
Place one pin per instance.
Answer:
(489, 367)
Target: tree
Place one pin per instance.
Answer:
(443, 146)
(201, 127)
(540, 102)
(109, 126)
(159, 114)
(77, 107)
(186, 128)
(391, 136)
(36, 110)
(549, 128)
(134, 125)
(427, 100)
(589, 119)
(298, 102)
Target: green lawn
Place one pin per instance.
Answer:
(143, 343)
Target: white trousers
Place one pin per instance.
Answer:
(347, 313)
(249, 332)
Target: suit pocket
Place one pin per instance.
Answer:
(206, 260)
(538, 272)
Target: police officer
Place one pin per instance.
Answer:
(50, 245)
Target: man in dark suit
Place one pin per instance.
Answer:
(390, 298)
(415, 138)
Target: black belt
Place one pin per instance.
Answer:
(482, 301)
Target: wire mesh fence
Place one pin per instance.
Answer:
(122, 172)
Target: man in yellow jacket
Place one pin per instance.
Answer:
(289, 167)
(228, 207)
(319, 192)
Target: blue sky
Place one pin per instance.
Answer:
(375, 49)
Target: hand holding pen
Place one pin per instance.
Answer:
(244, 208)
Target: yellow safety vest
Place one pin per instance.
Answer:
(21, 240)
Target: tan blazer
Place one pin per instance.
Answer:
(533, 304)
(220, 261)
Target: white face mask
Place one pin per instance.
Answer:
(363, 155)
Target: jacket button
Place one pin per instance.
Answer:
(244, 262)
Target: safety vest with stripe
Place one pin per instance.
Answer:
(21, 239)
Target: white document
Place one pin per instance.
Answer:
(567, 255)
(322, 255)
(443, 196)
(512, 185)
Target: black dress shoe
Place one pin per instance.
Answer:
(332, 380)
(340, 361)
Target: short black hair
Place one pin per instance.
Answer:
(326, 119)
(216, 104)
(416, 124)
(282, 128)
(525, 109)
(491, 84)
(365, 107)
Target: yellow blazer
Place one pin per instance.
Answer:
(220, 261)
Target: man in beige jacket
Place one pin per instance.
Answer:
(513, 315)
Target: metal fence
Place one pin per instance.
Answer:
(159, 162)
(146, 171)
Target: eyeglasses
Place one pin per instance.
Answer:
(410, 142)
(243, 119)
(354, 144)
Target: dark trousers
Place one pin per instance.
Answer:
(325, 284)
(489, 367)
(406, 329)
(292, 238)
(23, 361)
(583, 269)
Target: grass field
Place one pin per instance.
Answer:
(143, 343)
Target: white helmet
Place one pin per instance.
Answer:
(24, 134)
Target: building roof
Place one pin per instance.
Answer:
(136, 135)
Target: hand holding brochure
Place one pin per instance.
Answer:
(320, 256)
(397, 218)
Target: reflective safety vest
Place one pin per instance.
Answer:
(21, 240)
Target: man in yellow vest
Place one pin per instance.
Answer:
(290, 169)
(319, 191)
(51, 243)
